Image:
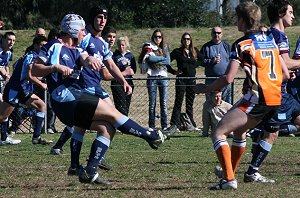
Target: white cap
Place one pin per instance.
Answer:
(72, 24)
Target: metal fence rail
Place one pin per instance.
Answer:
(139, 103)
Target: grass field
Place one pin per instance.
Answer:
(182, 167)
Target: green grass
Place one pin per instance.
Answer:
(182, 167)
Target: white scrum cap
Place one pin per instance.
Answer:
(72, 24)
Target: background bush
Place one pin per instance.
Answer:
(124, 14)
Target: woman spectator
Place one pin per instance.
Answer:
(125, 60)
(157, 56)
(186, 57)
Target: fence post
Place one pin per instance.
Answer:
(232, 91)
(45, 118)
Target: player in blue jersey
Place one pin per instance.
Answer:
(60, 61)
(294, 85)
(7, 41)
(97, 47)
(19, 89)
(109, 34)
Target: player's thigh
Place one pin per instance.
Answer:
(108, 101)
(107, 113)
(35, 102)
(235, 120)
(5, 109)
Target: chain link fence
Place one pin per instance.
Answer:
(139, 105)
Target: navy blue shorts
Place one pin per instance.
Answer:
(288, 110)
(13, 97)
(73, 107)
(96, 91)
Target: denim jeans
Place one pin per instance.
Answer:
(162, 85)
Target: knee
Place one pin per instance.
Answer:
(2, 118)
(105, 129)
(270, 137)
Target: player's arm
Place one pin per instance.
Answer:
(117, 74)
(34, 79)
(40, 69)
(107, 75)
(4, 74)
(290, 63)
(220, 82)
(90, 62)
(285, 71)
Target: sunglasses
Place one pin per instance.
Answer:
(187, 39)
(157, 36)
(217, 32)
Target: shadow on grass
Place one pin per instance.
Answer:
(113, 187)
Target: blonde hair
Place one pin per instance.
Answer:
(251, 14)
(125, 39)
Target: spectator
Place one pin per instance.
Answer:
(213, 111)
(186, 57)
(263, 28)
(158, 61)
(215, 54)
(125, 60)
(38, 32)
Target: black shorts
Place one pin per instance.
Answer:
(73, 107)
(257, 111)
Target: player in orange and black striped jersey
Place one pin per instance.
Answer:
(259, 57)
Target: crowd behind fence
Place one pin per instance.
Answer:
(140, 103)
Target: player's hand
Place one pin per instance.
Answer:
(127, 88)
(6, 77)
(128, 71)
(200, 88)
(292, 75)
(94, 63)
(44, 86)
(64, 70)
